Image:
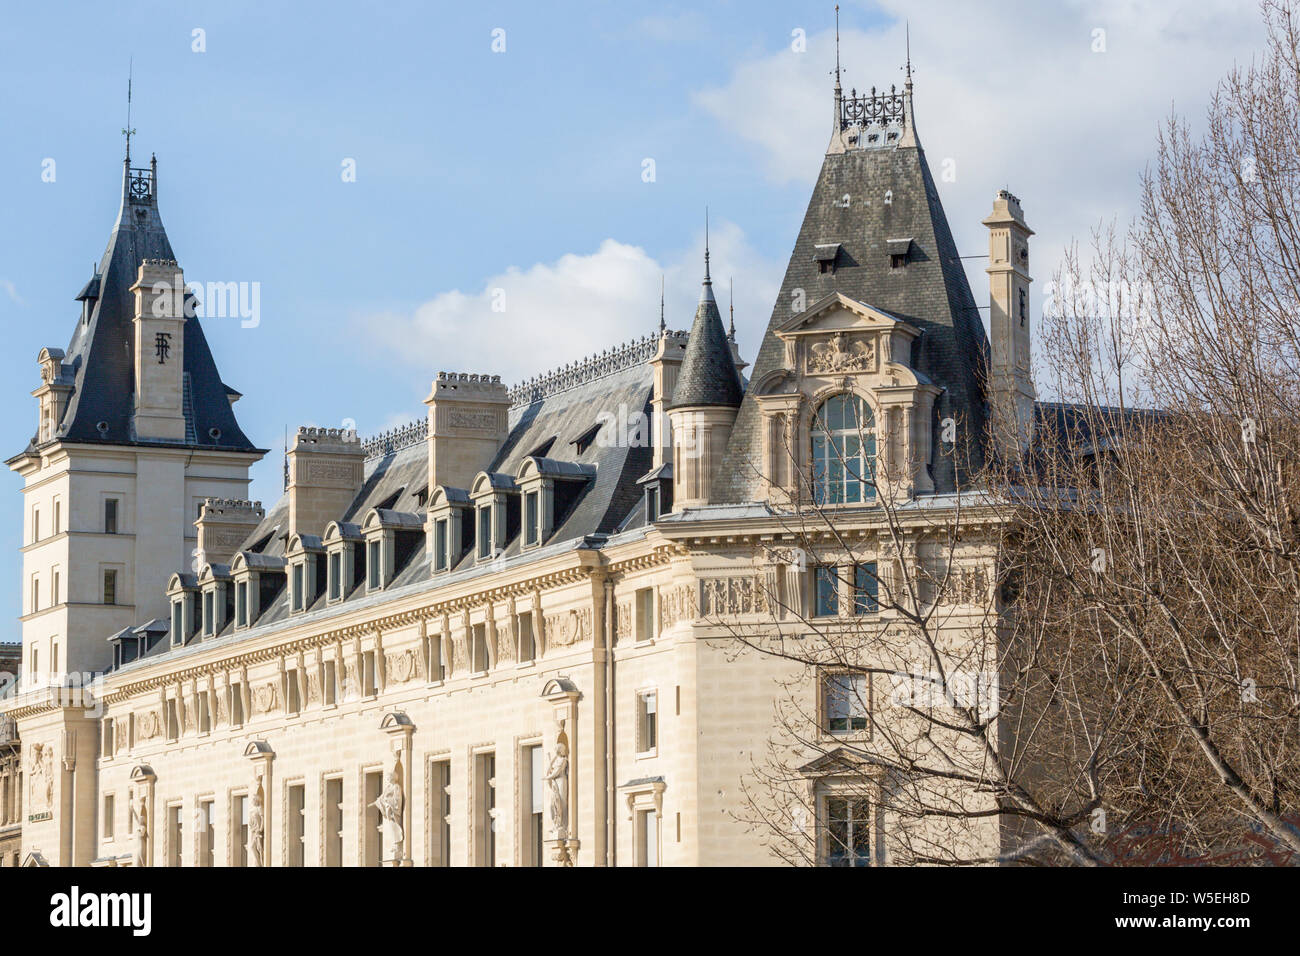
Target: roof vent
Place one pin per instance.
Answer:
(583, 441)
(102, 428)
(214, 434)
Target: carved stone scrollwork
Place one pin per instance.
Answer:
(841, 354)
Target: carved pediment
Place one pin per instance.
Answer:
(838, 335)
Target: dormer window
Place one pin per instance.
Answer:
(345, 548)
(183, 591)
(259, 579)
(658, 486)
(218, 598)
(825, 255)
(392, 538)
(899, 250)
(496, 513)
(549, 489)
(450, 526)
(306, 557)
(585, 440)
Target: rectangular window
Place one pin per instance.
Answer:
(372, 564)
(54, 658)
(534, 817)
(866, 589)
(296, 587)
(485, 824)
(58, 515)
(329, 692)
(335, 575)
(54, 589)
(292, 701)
(369, 687)
(239, 815)
(241, 604)
(334, 821)
(173, 722)
(647, 836)
(110, 516)
(178, 623)
(485, 532)
(110, 820)
(107, 740)
(209, 613)
(236, 705)
(205, 715)
(527, 646)
(652, 503)
(440, 557)
(207, 833)
(826, 599)
(297, 825)
(110, 586)
(479, 661)
(36, 594)
(647, 722)
(848, 832)
(845, 702)
(645, 614)
(372, 834)
(530, 518)
(175, 834)
(441, 802)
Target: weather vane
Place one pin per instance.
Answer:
(128, 130)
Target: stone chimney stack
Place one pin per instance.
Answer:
(325, 475)
(667, 362)
(224, 523)
(159, 350)
(1010, 381)
(467, 426)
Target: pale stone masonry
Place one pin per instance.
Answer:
(501, 636)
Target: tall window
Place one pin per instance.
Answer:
(329, 688)
(530, 518)
(58, 514)
(178, 618)
(110, 516)
(236, 705)
(843, 451)
(207, 834)
(110, 809)
(645, 614)
(372, 843)
(535, 766)
(866, 588)
(110, 586)
(369, 679)
(297, 825)
(440, 559)
(292, 698)
(441, 802)
(209, 612)
(479, 650)
(647, 837)
(844, 702)
(647, 722)
(335, 575)
(54, 589)
(524, 628)
(296, 587)
(175, 834)
(334, 821)
(241, 604)
(36, 594)
(36, 524)
(239, 814)
(848, 832)
(485, 531)
(485, 768)
(372, 564)
(826, 585)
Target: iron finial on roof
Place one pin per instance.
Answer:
(707, 279)
(662, 324)
(128, 131)
(731, 332)
(837, 47)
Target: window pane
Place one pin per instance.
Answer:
(866, 589)
(827, 604)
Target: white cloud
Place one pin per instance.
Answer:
(11, 290)
(1013, 95)
(582, 303)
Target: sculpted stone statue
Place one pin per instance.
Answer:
(139, 832)
(256, 829)
(557, 779)
(390, 803)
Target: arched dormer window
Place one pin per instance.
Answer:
(843, 451)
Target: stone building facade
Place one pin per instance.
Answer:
(503, 634)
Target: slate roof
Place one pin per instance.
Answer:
(102, 347)
(708, 373)
(606, 498)
(930, 291)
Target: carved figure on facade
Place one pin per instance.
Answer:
(256, 827)
(139, 832)
(390, 804)
(840, 354)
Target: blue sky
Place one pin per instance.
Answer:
(522, 170)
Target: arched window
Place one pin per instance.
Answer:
(843, 451)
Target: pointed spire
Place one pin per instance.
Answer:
(908, 40)
(707, 279)
(731, 332)
(663, 327)
(128, 131)
(837, 48)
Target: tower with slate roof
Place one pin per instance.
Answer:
(135, 428)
